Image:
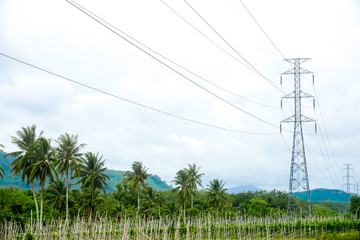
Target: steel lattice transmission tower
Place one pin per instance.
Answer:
(299, 180)
(348, 184)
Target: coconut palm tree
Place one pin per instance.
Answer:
(183, 186)
(56, 194)
(194, 176)
(69, 159)
(43, 166)
(136, 178)
(90, 199)
(92, 172)
(25, 141)
(216, 194)
(155, 199)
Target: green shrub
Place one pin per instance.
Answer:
(29, 236)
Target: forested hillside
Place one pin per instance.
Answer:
(115, 177)
(321, 194)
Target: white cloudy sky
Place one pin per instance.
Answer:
(56, 36)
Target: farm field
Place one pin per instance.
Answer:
(205, 227)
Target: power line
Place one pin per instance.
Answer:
(217, 33)
(91, 15)
(209, 39)
(327, 168)
(178, 65)
(314, 160)
(326, 133)
(317, 179)
(312, 156)
(257, 23)
(322, 136)
(327, 152)
(130, 101)
(218, 46)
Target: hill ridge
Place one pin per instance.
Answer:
(116, 176)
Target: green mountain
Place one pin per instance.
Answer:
(243, 188)
(322, 194)
(115, 177)
(154, 181)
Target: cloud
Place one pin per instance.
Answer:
(58, 37)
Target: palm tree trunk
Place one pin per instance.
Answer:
(138, 199)
(90, 213)
(41, 205)
(184, 209)
(67, 195)
(192, 201)
(36, 203)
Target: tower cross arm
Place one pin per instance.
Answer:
(293, 71)
(304, 71)
(289, 119)
(305, 95)
(292, 119)
(300, 60)
(302, 95)
(306, 119)
(290, 95)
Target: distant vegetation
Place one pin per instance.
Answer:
(59, 181)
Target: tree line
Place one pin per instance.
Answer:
(37, 161)
(59, 162)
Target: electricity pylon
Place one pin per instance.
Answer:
(348, 177)
(299, 180)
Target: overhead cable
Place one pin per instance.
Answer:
(257, 23)
(316, 163)
(218, 46)
(323, 156)
(327, 152)
(130, 101)
(94, 17)
(209, 39)
(185, 69)
(326, 133)
(214, 43)
(217, 33)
